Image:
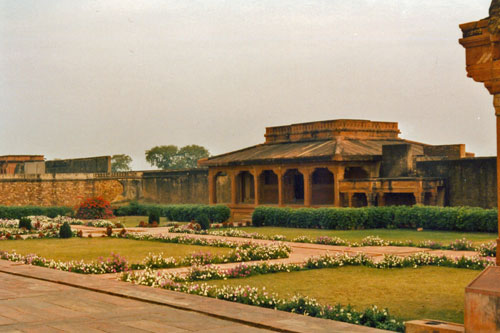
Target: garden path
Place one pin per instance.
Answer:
(300, 251)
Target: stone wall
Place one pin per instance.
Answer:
(50, 190)
(176, 187)
(396, 160)
(447, 151)
(100, 164)
(166, 187)
(469, 181)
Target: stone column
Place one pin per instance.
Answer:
(212, 195)
(280, 173)
(371, 198)
(496, 104)
(306, 173)
(349, 199)
(234, 187)
(256, 185)
(380, 199)
(418, 197)
(338, 175)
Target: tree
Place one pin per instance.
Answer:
(171, 157)
(162, 157)
(120, 162)
(189, 156)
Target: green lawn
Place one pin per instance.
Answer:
(388, 234)
(90, 249)
(423, 293)
(133, 221)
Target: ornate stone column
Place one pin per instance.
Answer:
(481, 41)
(256, 186)
(307, 173)
(338, 175)
(280, 174)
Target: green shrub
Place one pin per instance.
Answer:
(178, 213)
(25, 223)
(465, 219)
(203, 220)
(65, 231)
(16, 212)
(154, 216)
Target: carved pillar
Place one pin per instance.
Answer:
(481, 40)
(371, 199)
(280, 173)
(380, 199)
(212, 195)
(418, 197)
(307, 173)
(349, 199)
(256, 185)
(234, 187)
(338, 175)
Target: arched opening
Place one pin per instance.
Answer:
(245, 188)
(268, 187)
(355, 173)
(322, 187)
(399, 199)
(359, 200)
(294, 187)
(222, 188)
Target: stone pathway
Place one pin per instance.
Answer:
(36, 299)
(300, 251)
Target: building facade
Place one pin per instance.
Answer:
(335, 163)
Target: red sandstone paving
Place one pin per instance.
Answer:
(85, 303)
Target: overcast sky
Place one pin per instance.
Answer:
(89, 78)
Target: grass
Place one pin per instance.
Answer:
(90, 249)
(444, 237)
(423, 293)
(133, 221)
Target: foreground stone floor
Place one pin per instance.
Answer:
(28, 305)
(36, 299)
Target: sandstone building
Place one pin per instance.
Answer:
(340, 163)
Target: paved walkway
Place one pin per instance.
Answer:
(300, 251)
(36, 299)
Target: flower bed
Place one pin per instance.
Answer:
(485, 249)
(372, 317)
(206, 271)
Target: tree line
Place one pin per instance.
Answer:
(168, 157)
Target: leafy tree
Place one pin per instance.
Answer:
(189, 156)
(162, 157)
(171, 157)
(120, 162)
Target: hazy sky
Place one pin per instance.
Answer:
(89, 78)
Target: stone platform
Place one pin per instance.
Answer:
(36, 299)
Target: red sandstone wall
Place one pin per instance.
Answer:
(37, 192)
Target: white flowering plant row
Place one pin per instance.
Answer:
(43, 222)
(486, 249)
(243, 252)
(372, 317)
(199, 271)
(114, 264)
(248, 251)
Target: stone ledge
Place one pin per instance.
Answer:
(245, 314)
(432, 326)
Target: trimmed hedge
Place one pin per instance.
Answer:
(390, 217)
(178, 213)
(16, 212)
